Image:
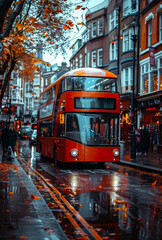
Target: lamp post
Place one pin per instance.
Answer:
(134, 30)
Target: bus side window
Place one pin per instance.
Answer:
(68, 84)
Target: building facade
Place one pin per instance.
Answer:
(150, 97)
(106, 43)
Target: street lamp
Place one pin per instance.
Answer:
(134, 31)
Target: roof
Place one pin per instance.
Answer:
(84, 72)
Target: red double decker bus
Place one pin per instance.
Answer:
(79, 117)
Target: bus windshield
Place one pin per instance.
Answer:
(94, 84)
(92, 129)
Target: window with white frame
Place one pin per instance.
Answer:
(126, 7)
(129, 6)
(94, 29)
(127, 79)
(80, 60)
(100, 57)
(46, 81)
(93, 59)
(160, 27)
(113, 19)
(113, 50)
(150, 33)
(37, 80)
(100, 27)
(145, 78)
(37, 92)
(127, 40)
(85, 60)
(88, 59)
(88, 31)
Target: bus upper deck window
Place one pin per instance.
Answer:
(68, 84)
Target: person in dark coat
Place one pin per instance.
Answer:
(6, 139)
(145, 140)
(13, 138)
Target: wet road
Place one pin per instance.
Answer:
(118, 202)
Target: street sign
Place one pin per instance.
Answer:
(1, 47)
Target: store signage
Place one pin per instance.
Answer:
(152, 57)
(151, 109)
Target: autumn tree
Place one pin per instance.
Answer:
(27, 25)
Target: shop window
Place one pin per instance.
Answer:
(145, 79)
(154, 81)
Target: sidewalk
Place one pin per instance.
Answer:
(151, 162)
(20, 215)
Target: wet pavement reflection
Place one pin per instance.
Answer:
(120, 203)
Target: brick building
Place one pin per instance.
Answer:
(150, 97)
(106, 43)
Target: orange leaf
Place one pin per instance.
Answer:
(51, 205)
(66, 27)
(80, 23)
(78, 7)
(34, 197)
(154, 183)
(10, 193)
(23, 237)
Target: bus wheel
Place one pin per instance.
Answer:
(55, 157)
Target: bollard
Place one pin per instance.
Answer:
(122, 150)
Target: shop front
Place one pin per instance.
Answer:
(151, 118)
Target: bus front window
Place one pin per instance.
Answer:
(93, 129)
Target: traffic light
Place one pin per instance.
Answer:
(15, 117)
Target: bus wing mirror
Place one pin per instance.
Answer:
(62, 118)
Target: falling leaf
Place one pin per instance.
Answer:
(34, 197)
(10, 193)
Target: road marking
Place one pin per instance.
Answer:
(72, 210)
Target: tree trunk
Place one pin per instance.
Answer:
(6, 80)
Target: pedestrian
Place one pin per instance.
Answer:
(13, 138)
(6, 139)
(138, 141)
(145, 140)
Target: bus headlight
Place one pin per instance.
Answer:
(74, 153)
(116, 153)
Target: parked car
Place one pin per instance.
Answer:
(33, 137)
(25, 132)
